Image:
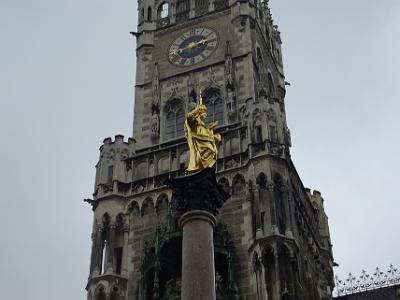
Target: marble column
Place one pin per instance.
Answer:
(197, 198)
(198, 270)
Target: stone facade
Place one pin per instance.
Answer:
(272, 239)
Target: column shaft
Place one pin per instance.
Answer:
(198, 271)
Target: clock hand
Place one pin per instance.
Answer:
(193, 45)
(188, 47)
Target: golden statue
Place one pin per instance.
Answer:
(201, 138)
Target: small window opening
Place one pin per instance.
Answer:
(110, 174)
(254, 224)
(272, 133)
(258, 134)
(262, 221)
(164, 10)
(149, 14)
(118, 260)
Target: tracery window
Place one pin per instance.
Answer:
(163, 11)
(175, 119)
(215, 106)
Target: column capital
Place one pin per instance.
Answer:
(197, 191)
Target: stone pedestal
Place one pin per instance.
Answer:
(197, 198)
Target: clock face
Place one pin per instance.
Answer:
(193, 46)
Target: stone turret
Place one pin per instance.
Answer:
(112, 167)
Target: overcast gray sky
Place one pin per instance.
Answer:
(66, 82)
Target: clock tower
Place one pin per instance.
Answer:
(272, 240)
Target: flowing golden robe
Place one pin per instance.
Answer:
(201, 139)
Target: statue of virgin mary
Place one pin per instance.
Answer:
(201, 139)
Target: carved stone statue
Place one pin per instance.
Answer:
(201, 139)
(155, 125)
(230, 101)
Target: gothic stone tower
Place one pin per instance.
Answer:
(272, 240)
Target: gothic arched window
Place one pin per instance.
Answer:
(163, 11)
(215, 106)
(279, 204)
(286, 273)
(142, 14)
(100, 294)
(269, 265)
(149, 17)
(175, 119)
(115, 295)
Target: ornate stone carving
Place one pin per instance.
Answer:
(231, 163)
(228, 66)
(124, 153)
(257, 116)
(212, 77)
(199, 191)
(111, 155)
(156, 104)
(138, 188)
(229, 83)
(191, 88)
(156, 90)
(174, 87)
(271, 116)
(155, 125)
(288, 137)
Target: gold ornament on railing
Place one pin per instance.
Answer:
(201, 138)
